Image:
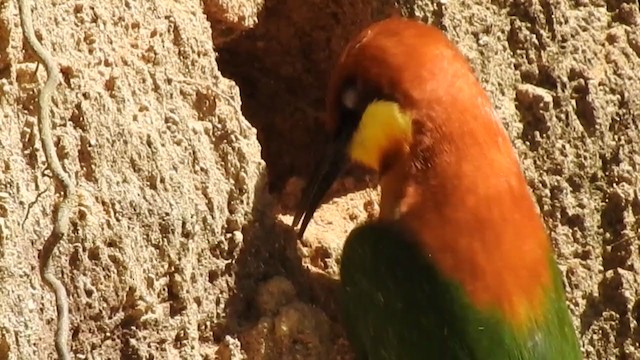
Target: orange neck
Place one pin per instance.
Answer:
(463, 192)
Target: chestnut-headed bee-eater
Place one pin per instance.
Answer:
(459, 264)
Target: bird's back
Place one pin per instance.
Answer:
(398, 306)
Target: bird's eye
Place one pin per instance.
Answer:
(350, 97)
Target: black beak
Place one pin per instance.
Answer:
(324, 175)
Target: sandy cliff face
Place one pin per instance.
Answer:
(167, 113)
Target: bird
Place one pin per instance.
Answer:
(458, 264)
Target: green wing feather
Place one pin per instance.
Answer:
(398, 307)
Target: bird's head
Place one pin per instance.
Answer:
(386, 76)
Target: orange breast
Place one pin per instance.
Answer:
(468, 199)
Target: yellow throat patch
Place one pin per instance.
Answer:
(382, 127)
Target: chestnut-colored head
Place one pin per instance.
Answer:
(391, 72)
